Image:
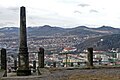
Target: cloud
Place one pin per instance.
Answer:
(1, 12)
(67, 1)
(14, 9)
(2, 24)
(93, 11)
(60, 12)
(52, 20)
(9, 16)
(77, 12)
(83, 5)
(6, 23)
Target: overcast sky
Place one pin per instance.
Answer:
(61, 13)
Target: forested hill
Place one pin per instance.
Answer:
(101, 43)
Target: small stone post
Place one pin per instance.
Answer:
(34, 66)
(72, 64)
(66, 59)
(3, 59)
(78, 63)
(15, 65)
(41, 58)
(90, 57)
(54, 64)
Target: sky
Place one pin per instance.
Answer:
(61, 13)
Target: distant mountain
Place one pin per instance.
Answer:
(51, 31)
(101, 43)
(83, 31)
(9, 32)
(109, 29)
(45, 30)
(81, 27)
(106, 28)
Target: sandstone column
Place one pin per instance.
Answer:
(23, 66)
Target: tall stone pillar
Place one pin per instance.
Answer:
(90, 57)
(23, 66)
(41, 58)
(3, 59)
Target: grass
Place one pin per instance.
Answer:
(97, 74)
(93, 77)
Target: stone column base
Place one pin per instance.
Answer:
(23, 72)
